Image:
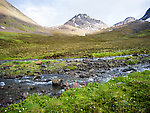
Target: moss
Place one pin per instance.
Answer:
(123, 94)
(72, 67)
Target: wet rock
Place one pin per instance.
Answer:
(57, 82)
(91, 70)
(44, 66)
(36, 73)
(47, 80)
(129, 69)
(9, 77)
(31, 87)
(84, 76)
(39, 62)
(66, 70)
(65, 85)
(25, 95)
(37, 77)
(135, 54)
(2, 84)
(19, 76)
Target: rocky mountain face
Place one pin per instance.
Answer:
(147, 15)
(126, 21)
(83, 21)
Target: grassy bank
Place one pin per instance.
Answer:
(22, 68)
(123, 94)
(30, 46)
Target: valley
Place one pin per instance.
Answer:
(83, 65)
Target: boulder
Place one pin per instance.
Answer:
(129, 69)
(84, 76)
(65, 85)
(39, 62)
(25, 95)
(2, 84)
(135, 54)
(37, 77)
(44, 66)
(57, 82)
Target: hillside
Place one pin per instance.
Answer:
(24, 46)
(12, 20)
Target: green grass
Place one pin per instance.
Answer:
(131, 60)
(16, 68)
(29, 28)
(34, 46)
(123, 94)
(72, 67)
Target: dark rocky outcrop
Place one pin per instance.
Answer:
(147, 15)
(126, 21)
(83, 21)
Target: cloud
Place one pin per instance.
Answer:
(57, 12)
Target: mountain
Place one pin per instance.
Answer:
(126, 21)
(83, 21)
(13, 20)
(147, 15)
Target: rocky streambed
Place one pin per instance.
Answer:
(75, 73)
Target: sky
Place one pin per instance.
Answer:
(57, 12)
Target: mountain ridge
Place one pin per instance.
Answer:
(9, 10)
(124, 22)
(83, 21)
(13, 20)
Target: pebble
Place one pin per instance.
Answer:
(2, 84)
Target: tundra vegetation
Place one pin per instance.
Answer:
(121, 94)
(36, 46)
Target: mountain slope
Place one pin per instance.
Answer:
(147, 15)
(126, 21)
(83, 21)
(12, 20)
(68, 30)
(9, 10)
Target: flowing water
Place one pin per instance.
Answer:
(14, 90)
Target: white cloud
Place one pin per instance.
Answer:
(56, 12)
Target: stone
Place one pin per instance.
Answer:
(91, 70)
(84, 76)
(31, 87)
(66, 70)
(135, 54)
(57, 82)
(129, 69)
(37, 77)
(2, 84)
(39, 62)
(65, 85)
(36, 73)
(25, 95)
(44, 66)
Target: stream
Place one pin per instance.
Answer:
(92, 70)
